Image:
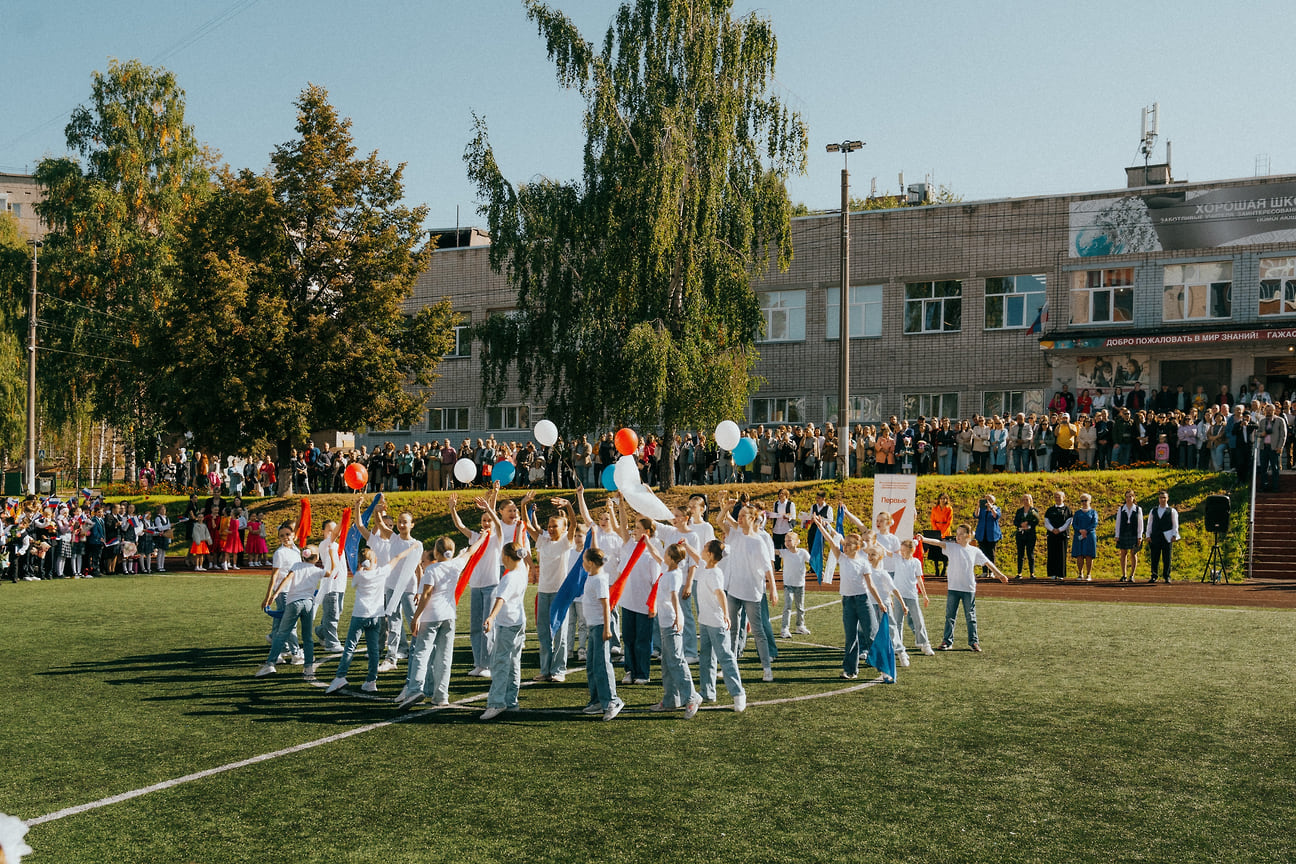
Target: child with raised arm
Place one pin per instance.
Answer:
(402, 583)
(480, 585)
(713, 625)
(556, 549)
(284, 558)
(909, 582)
(433, 628)
(635, 621)
(963, 561)
(677, 682)
(507, 618)
(298, 589)
(367, 617)
(856, 588)
(750, 575)
(598, 655)
(332, 588)
(795, 561)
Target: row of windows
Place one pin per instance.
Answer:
(1011, 303)
(499, 418)
(793, 410)
(1190, 292)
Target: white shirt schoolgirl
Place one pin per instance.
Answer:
(706, 582)
(596, 590)
(511, 588)
(403, 578)
(639, 584)
(442, 577)
(370, 584)
(907, 574)
(556, 558)
(671, 580)
(795, 562)
(891, 551)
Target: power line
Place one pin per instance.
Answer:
(85, 307)
(75, 332)
(41, 348)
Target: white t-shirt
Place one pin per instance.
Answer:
(891, 546)
(706, 582)
(284, 559)
(403, 578)
(671, 580)
(512, 590)
(669, 535)
(556, 558)
(441, 577)
(907, 574)
(331, 563)
(370, 583)
(883, 583)
(609, 543)
(795, 562)
(703, 531)
(487, 572)
(381, 547)
(302, 581)
(596, 588)
(963, 561)
(634, 596)
(852, 575)
(747, 561)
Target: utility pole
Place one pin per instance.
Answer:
(31, 376)
(843, 379)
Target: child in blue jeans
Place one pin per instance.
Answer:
(598, 652)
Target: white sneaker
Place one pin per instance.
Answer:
(691, 709)
(580, 655)
(786, 634)
(614, 709)
(558, 678)
(267, 669)
(928, 650)
(617, 652)
(311, 670)
(387, 665)
(740, 703)
(627, 679)
(491, 713)
(592, 708)
(803, 630)
(299, 658)
(902, 660)
(225, 566)
(335, 685)
(478, 672)
(369, 687)
(485, 673)
(410, 699)
(767, 675)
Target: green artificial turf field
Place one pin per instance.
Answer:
(1085, 732)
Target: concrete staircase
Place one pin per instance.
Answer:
(1275, 532)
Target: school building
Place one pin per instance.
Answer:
(974, 307)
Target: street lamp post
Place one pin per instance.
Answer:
(843, 378)
(31, 376)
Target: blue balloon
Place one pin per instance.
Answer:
(609, 481)
(503, 472)
(745, 453)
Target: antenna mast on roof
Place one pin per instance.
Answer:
(1149, 135)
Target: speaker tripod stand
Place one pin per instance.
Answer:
(1214, 569)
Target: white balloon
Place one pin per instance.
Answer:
(465, 470)
(626, 473)
(546, 433)
(727, 434)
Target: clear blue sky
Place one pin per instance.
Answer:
(993, 99)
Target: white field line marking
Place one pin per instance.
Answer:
(822, 605)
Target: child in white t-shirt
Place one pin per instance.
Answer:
(598, 652)
(963, 561)
(713, 626)
(677, 682)
(795, 561)
(298, 589)
(367, 616)
(909, 585)
(507, 619)
(433, 626)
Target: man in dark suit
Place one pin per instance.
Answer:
(1162, 529)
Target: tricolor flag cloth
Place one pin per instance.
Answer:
(881, 654)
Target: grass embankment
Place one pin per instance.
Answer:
(1086, 733)
(1188, 492)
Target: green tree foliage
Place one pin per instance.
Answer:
(289, 316)
(634, 282)
(15, 273)
(115, 211)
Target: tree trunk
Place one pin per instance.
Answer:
(284, 467)
(668, 448)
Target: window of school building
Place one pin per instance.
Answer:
(933, 307)
(1012, 402)
(1103, 296)
(447, 420)
(507, 418)
(1012, 302)
(784, 314)
(931, 405)
(462, 342)
(1197, 292)
(863, 409)
(1278, 286)
(789, 409)
(865, 312)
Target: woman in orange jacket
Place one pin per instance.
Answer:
(942, 520)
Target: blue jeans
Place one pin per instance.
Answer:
(506, 666)
(1021, 461)
(857, 620)
(292, 644)
(677, 682)
(480, 603)
(952, 601)
(637, 630)
(715, 646)
(372, 629)
(690, 637)
(830, 470)
(1119, 454)
(793, 597)
(764, 642)
(945, 460)
(916, 622)
(430, 659)
(553, 652)
(302, 611)
(598, 668)
(327, 631)
(396, 637)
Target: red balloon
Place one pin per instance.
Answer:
(356, 476)
(627, 442)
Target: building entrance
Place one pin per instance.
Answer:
(1209, 374)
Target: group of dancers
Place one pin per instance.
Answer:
(611, 584)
